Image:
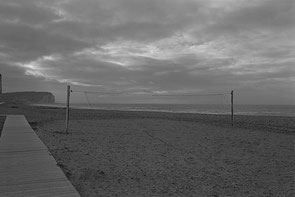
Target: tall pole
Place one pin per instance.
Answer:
(0, 83)
(68, 109)
(232, 108)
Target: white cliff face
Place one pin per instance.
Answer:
(49, 98)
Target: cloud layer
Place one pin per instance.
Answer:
(155, 46)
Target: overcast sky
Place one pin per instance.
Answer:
(150, 46)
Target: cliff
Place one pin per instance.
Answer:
(27, 97)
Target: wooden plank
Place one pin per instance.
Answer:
(26, 166)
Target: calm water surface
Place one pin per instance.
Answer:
(259, 110)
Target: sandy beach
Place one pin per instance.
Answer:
(119, 153)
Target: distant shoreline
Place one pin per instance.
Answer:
(279, 124)
(144, 108)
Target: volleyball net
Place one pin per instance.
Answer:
(220, 103)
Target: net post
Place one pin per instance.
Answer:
(232, 108)
(68, 109)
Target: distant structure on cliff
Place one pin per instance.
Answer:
(0, 83)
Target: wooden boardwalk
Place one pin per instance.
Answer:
(26, 166)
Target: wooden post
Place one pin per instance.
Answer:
(68, 109)
(0, 83)
(232, 108)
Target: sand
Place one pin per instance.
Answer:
(115, 153)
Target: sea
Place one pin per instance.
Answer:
(256, 110)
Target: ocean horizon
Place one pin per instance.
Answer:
(239, 109)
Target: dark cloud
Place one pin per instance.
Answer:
(28, 12)
(134, 19)
(148, 46)
(26, 42)
(266, 16)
